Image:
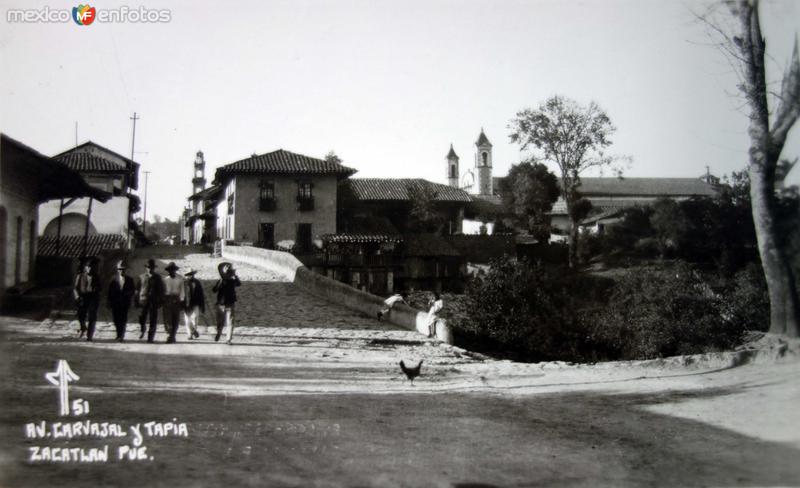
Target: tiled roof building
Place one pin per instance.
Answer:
(397, 189)
(72, 246)
(284, 162)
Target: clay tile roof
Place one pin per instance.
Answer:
(72, 245)
(207, 194)
(643, 187)
(89, 163)
(646, 187)
(361, 238)
(284, 162)
(366, 229)
(396, 189)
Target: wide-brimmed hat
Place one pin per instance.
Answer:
(151, 263)
(172, 266)
(222, 265)
(121, 265)
(190, 272)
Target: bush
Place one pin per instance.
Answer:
(747, 301)
(661, 312)
(528, 309)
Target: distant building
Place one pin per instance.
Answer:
(376, 247)
(201, 216)
(477, 180)
(198, 221)
(391, 198)
(28, 178)
(611, 196)
(107, 171)
(278, 197)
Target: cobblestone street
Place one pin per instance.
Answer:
(266, 299)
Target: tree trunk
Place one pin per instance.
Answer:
(764, 154)
(572, 235)
(573, 244)
(783, 302)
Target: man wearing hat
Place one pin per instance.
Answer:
(86, 291)
(120, 293)
(174, 296)
(151, 297)
(195, 303)
(225, 288)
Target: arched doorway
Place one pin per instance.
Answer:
(72, 224)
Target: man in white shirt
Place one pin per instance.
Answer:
(173, 301)
(391, 302)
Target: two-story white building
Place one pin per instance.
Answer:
(105, 170)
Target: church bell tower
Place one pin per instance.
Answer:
(452, 168)
(199, 178)
(483, 164)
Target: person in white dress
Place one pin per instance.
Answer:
(436, 306)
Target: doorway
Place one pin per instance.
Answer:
(266, 235)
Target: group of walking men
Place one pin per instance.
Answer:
(175, 295)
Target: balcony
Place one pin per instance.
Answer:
(266, 204)
(305, 204)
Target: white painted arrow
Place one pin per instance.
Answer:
(62, 377)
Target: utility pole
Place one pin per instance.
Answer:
(133, 142)
(144, 219)
(76, 133)
(133, 139)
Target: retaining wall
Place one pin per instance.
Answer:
(285, 264)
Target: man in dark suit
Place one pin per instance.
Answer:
(195, 304)
(86, 291)
(151, 297)
(120, 293)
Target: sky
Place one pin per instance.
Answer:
(387, 85)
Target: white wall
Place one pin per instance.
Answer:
(107, 218)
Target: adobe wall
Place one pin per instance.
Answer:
(18, 195)
(321, 286)
(110, 217)
(286, 216)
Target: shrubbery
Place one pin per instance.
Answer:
(536, 312)
(527, 309)
(665, 312)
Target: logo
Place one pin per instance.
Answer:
(83, 14)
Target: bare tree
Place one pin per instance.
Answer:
(745, 47)
(574, 138)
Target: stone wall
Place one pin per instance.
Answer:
(288, 266)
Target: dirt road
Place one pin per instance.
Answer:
(314, 407)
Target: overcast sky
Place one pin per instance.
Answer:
(387, 85)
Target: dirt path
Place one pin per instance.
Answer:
(289, 409)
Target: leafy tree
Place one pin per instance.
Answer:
(528, 193)
(571, 136)
(669, 224)
(745, 47)
(331, 157)
(423, 216)
(527, 308)
(621, 237)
